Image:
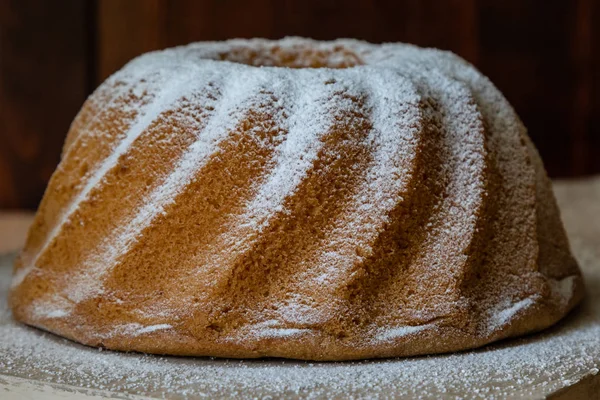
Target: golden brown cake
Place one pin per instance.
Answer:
(294, 198)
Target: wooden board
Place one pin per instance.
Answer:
(13, 229)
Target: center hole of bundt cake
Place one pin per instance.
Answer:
(294, 57)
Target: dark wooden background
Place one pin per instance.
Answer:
(544, 55)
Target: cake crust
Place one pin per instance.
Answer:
(301, 199)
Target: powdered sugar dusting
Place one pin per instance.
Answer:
(270, 329)
(501, 317)
(397, 92)
(147, 114)
(135, 329)
(312, 116)
(49, 313)
(400, 331)
(236, 93)
(394, 138)
(278, 332)
(54, 307)
(564, 288)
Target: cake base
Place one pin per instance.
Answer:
(562, 362)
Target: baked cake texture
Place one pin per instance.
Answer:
(295, 198)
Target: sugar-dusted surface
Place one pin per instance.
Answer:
(526, 368)
(393, 207)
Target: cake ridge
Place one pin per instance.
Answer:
(65, 297)
(442, 107)
(132, 134)
(504, 123)
(219, 126)
(307, 136)
(296, 212)
(75, 143)
(350, 222)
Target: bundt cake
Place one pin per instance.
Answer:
(295, 198)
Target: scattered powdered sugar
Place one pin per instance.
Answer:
(522, 368)
(152, 328)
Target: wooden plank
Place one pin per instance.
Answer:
(526, 52)
(191, 20)
(327, 20)
(14, 226)
(581, 25)
(593, 138)
(42, 85)
(450, 25)
(126, 29)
